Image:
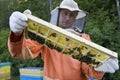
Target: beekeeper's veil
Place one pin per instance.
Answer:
(72, 6)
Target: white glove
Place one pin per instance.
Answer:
(17, 21)
(109, 66)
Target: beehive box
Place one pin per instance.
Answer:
(31, 73)
(66, 42)
(5, 70)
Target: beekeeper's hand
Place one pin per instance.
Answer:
(109, 66)
(17, 21)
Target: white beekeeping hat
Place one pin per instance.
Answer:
(70, 5)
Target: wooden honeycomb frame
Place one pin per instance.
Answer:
(66, 42)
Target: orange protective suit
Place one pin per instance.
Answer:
(57, 66)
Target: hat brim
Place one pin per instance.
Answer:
(70, 9)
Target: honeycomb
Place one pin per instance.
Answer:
(57, 40)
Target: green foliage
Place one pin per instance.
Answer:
(4, 54)
(37, 7)
(101, 27)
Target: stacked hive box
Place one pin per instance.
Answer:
(31, 73)
(5, 70)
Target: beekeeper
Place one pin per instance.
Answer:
(57, 66)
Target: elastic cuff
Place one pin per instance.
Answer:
(15, 38)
